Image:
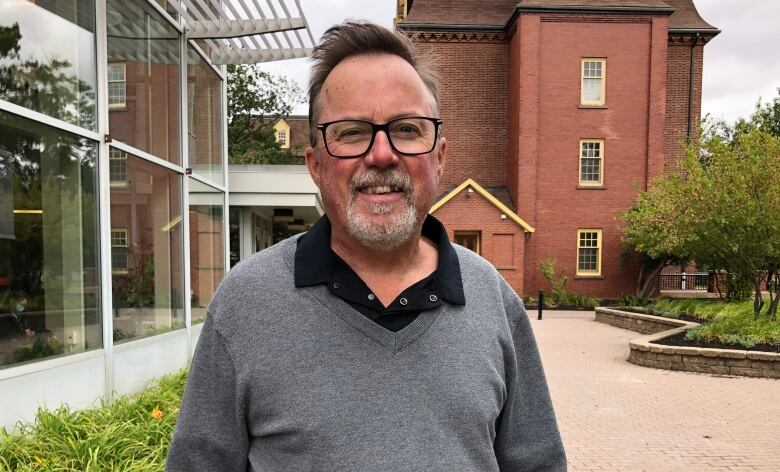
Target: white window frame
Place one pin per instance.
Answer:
(117, 156)
(281, 137)
(114, 233)
(599, 243)
(123, 104)
(602, 99)
(600, 149)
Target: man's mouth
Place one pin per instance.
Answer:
(379, 189)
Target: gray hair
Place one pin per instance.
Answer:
(354, 38)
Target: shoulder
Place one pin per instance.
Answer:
(265, 274)
(483, 284)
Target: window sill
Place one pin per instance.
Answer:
(591, 187)
(506, 267)
(598, 277)
(597, 107)
(110, 109)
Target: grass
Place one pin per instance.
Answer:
(130, 434)
(728, 322)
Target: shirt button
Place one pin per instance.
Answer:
(433, 298)
(335, 285)
(371, 296)
(403, 301)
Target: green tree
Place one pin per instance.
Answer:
(720, 206)
(256, 99)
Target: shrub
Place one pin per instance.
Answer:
(129, 434)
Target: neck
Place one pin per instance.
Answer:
(387, 273)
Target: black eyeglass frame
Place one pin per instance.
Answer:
(386, 128)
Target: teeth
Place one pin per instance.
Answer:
(379, 189)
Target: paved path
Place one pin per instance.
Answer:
(616, 416)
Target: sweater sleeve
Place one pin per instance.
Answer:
(210, 432)
(527, 437)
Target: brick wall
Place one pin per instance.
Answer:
(474, 107)
(502, 240)
(549, 158)
(678, 84)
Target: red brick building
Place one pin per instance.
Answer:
(556, 113)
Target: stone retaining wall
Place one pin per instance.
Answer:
(644, 352)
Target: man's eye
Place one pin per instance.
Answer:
(407, 129)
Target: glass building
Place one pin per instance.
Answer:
(113, 185)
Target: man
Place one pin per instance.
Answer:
(370, 343)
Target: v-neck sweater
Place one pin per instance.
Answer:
(294, 379)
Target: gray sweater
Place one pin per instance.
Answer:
(294, 379)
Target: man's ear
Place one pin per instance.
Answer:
(441, 157)
(312, 164)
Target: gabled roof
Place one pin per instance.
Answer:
(497, 13)
(470, 183)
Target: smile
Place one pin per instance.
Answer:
(379, 189)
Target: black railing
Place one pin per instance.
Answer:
(694, 281)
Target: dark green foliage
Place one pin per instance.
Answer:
(256, 100)
(40, 348)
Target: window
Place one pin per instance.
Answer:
(117, 85)
(591, 162)
(281, 137)
(468, 239)
(593, 80)
(119, 250)
(589, 252)
(117, 166)
(49, 243)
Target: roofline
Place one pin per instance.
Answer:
(536, 9)
(487, 196)
(713, 31)
(450, 27)
(591, 9)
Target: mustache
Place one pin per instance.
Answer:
(395, 178)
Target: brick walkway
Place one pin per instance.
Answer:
(616, 416)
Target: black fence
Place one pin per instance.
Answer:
(694, 281)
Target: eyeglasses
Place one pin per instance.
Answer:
(409, 136)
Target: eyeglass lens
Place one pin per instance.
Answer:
(407, 135)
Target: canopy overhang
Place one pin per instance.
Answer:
(247, 31)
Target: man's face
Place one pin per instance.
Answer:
(380, 198)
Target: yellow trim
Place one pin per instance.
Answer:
(599, 236)
(487, 196)
(282, 125)
(603, 99)
(587, 183)
(28, 212)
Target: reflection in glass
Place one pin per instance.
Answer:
(143, 78)
(146, 250)
(48, 242)
(47, 58)
(207, 245)
(204, 100)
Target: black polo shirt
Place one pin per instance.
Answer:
(317, 264)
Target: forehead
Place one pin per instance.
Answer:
(374, 87)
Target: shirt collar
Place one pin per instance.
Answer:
(315, 261)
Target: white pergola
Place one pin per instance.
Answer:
(247, 31)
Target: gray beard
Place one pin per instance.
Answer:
(399, 230)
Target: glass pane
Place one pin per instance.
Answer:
(142, 42)
(146, 251)
(207, 245)
(47, 58)
(591, 90)
(235, 236)
(204, 100)
(48, 242)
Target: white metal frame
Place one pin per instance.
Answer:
(263, 27)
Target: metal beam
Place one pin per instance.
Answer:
(253, 56)
(208, 29)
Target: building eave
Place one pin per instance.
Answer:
(470, 183)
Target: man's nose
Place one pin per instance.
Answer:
(381, 153)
